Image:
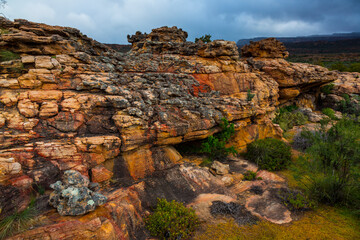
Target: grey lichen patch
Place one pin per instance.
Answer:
(72, 196)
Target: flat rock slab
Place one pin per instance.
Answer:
(268, 207)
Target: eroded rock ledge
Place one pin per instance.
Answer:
(68, 102)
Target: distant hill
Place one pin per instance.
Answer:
(311, 38)
(325, 49)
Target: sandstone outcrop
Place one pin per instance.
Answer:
(267, 48)
(68, 102)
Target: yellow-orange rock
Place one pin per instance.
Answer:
(28, 108)
(100, 174)
(48, 109)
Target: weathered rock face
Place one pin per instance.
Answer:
(76, 104)
(68, 102)
(267, 48)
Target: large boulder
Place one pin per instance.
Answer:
(266, 48)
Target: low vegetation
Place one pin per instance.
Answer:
(8, 55)
(350, 105)
(172, 220)
(251, 176)
(295, 200)
(215, 146)
(17, 222)
(345, 67)
(330, 169)
(269, 154)
(287, 117)
(327, 89)
(250, 95)
(323, 223)
(330, 113)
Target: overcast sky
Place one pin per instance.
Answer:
(109, 21)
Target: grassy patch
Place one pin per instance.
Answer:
(17, 222)
(8, 55)
(323, 223)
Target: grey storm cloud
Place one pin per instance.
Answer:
(110, 21)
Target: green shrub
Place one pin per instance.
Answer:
(205, 39)
(172, 220)
(330, 171)
(340, 66)
(8, 55)
(349, 105)
(327, 89)
(250, 95)
(17, 222)
(295, 200)
(289, 108)
(250, 176)
(214, 146)
(287, 120)
(354, 67)
(270, 154)
(330, 113)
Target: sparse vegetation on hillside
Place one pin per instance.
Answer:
(330, 170)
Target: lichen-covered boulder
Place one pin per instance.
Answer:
(72, 196)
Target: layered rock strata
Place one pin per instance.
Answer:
(68, 102)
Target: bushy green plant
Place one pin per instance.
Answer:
(287, 120)
(250, 176)
(330, 113)
(172, 220)
(8, 55)
(214, 146)
(349, 105)
(354, 67)
(270, 154)
(330, 171)
(17, 222)
(250, 95)
(289, 108)
(327, 89)
(340, 66)
(205, 39)
(346, 67)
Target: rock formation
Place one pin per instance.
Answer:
(68, 102)
(267, 48)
